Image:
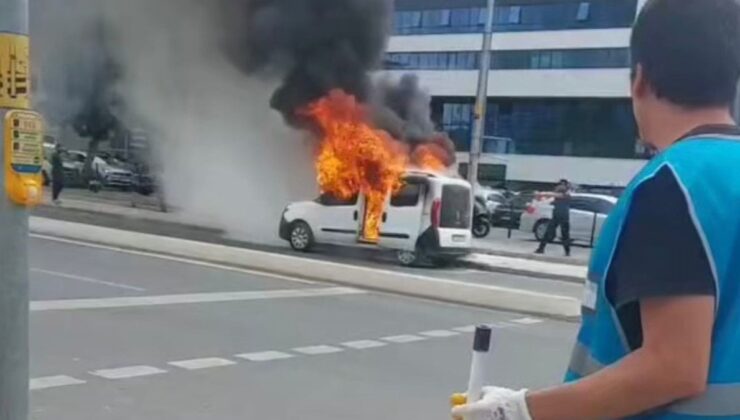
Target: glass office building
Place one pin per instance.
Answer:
(558, 102)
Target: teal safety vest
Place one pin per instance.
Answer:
(708, 169)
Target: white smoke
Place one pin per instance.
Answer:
(228, 160)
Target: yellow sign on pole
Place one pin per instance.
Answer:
(24, 156)
(15, 72)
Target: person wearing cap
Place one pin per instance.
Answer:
(660, 335)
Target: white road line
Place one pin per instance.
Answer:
(403, 339)
(363, 344)
(53, 382)
(175, 259)
(127, 302)
(87, 279)
(128, 372)
(466, 329)
(205, 363)
(316, 350)
(528, 321)
(440, 333)
(264, 356)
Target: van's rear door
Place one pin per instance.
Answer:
(455, 216)
(403, 215)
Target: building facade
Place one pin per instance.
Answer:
(558, 103)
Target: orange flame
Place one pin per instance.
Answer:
(355, 158)
(429, 157)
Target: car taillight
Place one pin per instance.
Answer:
(436, 213)
(530, 209)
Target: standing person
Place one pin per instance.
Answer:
(560, 218)
(661, 314)
(57, 174)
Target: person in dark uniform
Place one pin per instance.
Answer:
(57, 174)
(560, 218)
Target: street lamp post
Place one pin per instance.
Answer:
(15, 74)
(479, 129)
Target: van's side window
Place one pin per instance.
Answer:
(330, 200)
(407, 197)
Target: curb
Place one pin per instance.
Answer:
(532, 257)
(519, 272)
(486, 296)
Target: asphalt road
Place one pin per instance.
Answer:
(126, 336)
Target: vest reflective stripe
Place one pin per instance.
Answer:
(719, 400)
(582, 363)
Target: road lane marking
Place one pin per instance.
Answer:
(175, 259)
(53, 382)
(364, 344)
(403, 339)
(439, 333)
(204, 363)
(127, 302)
(87, 279)
(128, 372)
(316, 350)
(265, 356)
(528, 321)
(466, 329)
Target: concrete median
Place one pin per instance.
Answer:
(460, 292)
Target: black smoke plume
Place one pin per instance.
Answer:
(314, 45)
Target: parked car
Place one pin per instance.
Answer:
(429, 219)
(588, 212)
(109, 173)
(509, 213)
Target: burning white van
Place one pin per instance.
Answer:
(429, 218)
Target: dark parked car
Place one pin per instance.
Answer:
(510, 213)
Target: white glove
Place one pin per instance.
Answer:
(496, 404)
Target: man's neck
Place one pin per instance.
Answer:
(674, 123)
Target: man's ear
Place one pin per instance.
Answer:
(640, 86)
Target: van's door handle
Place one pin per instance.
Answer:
(385, 217)
(356, 215)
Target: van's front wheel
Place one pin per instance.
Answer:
(407, 258)
(301, 237)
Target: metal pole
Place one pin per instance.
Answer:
(13, 259)
(593, 230)
(481, 101)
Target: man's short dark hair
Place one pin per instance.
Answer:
(689, 50)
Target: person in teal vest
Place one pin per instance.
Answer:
(660, 335)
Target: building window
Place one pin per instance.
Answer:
(584, 11)
(511, 60)
(527, 16)
(515, 15)
(557, 127)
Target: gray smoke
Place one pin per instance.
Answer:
(228, 161)
(403, 108)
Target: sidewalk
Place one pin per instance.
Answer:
(523, 244)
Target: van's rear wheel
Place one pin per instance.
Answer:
(407, 258)
(301, 237)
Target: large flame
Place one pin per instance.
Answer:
(356, 158)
